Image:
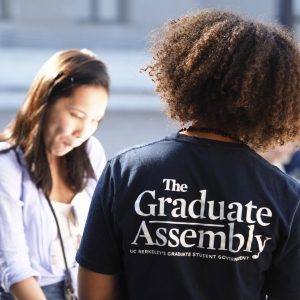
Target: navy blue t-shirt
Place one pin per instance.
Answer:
(189, 218)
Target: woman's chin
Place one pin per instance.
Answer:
(62, 151)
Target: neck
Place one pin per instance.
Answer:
(209, 133)
(61, 191)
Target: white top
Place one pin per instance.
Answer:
(70, 231)
(28, 231)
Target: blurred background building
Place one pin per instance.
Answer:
(118, 31)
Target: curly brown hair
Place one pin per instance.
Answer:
(224, 71)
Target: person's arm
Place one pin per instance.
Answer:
(27, 289)
(99, 255)
(96, 286)
(15, 265)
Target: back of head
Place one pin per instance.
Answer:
(224, 71)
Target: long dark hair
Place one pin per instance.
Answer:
(59, 77)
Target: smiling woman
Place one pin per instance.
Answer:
(48, 156)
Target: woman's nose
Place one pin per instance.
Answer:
(78, 131)
(82, 130)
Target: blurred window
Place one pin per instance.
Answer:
(296, 12)
(107, 11)
(296, 7)
(296, 17)
(4, 11)
(286, 12)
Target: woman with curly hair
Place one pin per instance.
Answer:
(199, 214)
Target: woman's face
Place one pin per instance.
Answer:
(72, 120)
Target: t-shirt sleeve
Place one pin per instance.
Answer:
(99, 250)
(283, 277)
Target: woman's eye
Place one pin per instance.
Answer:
(75, 115)
(97, 121)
